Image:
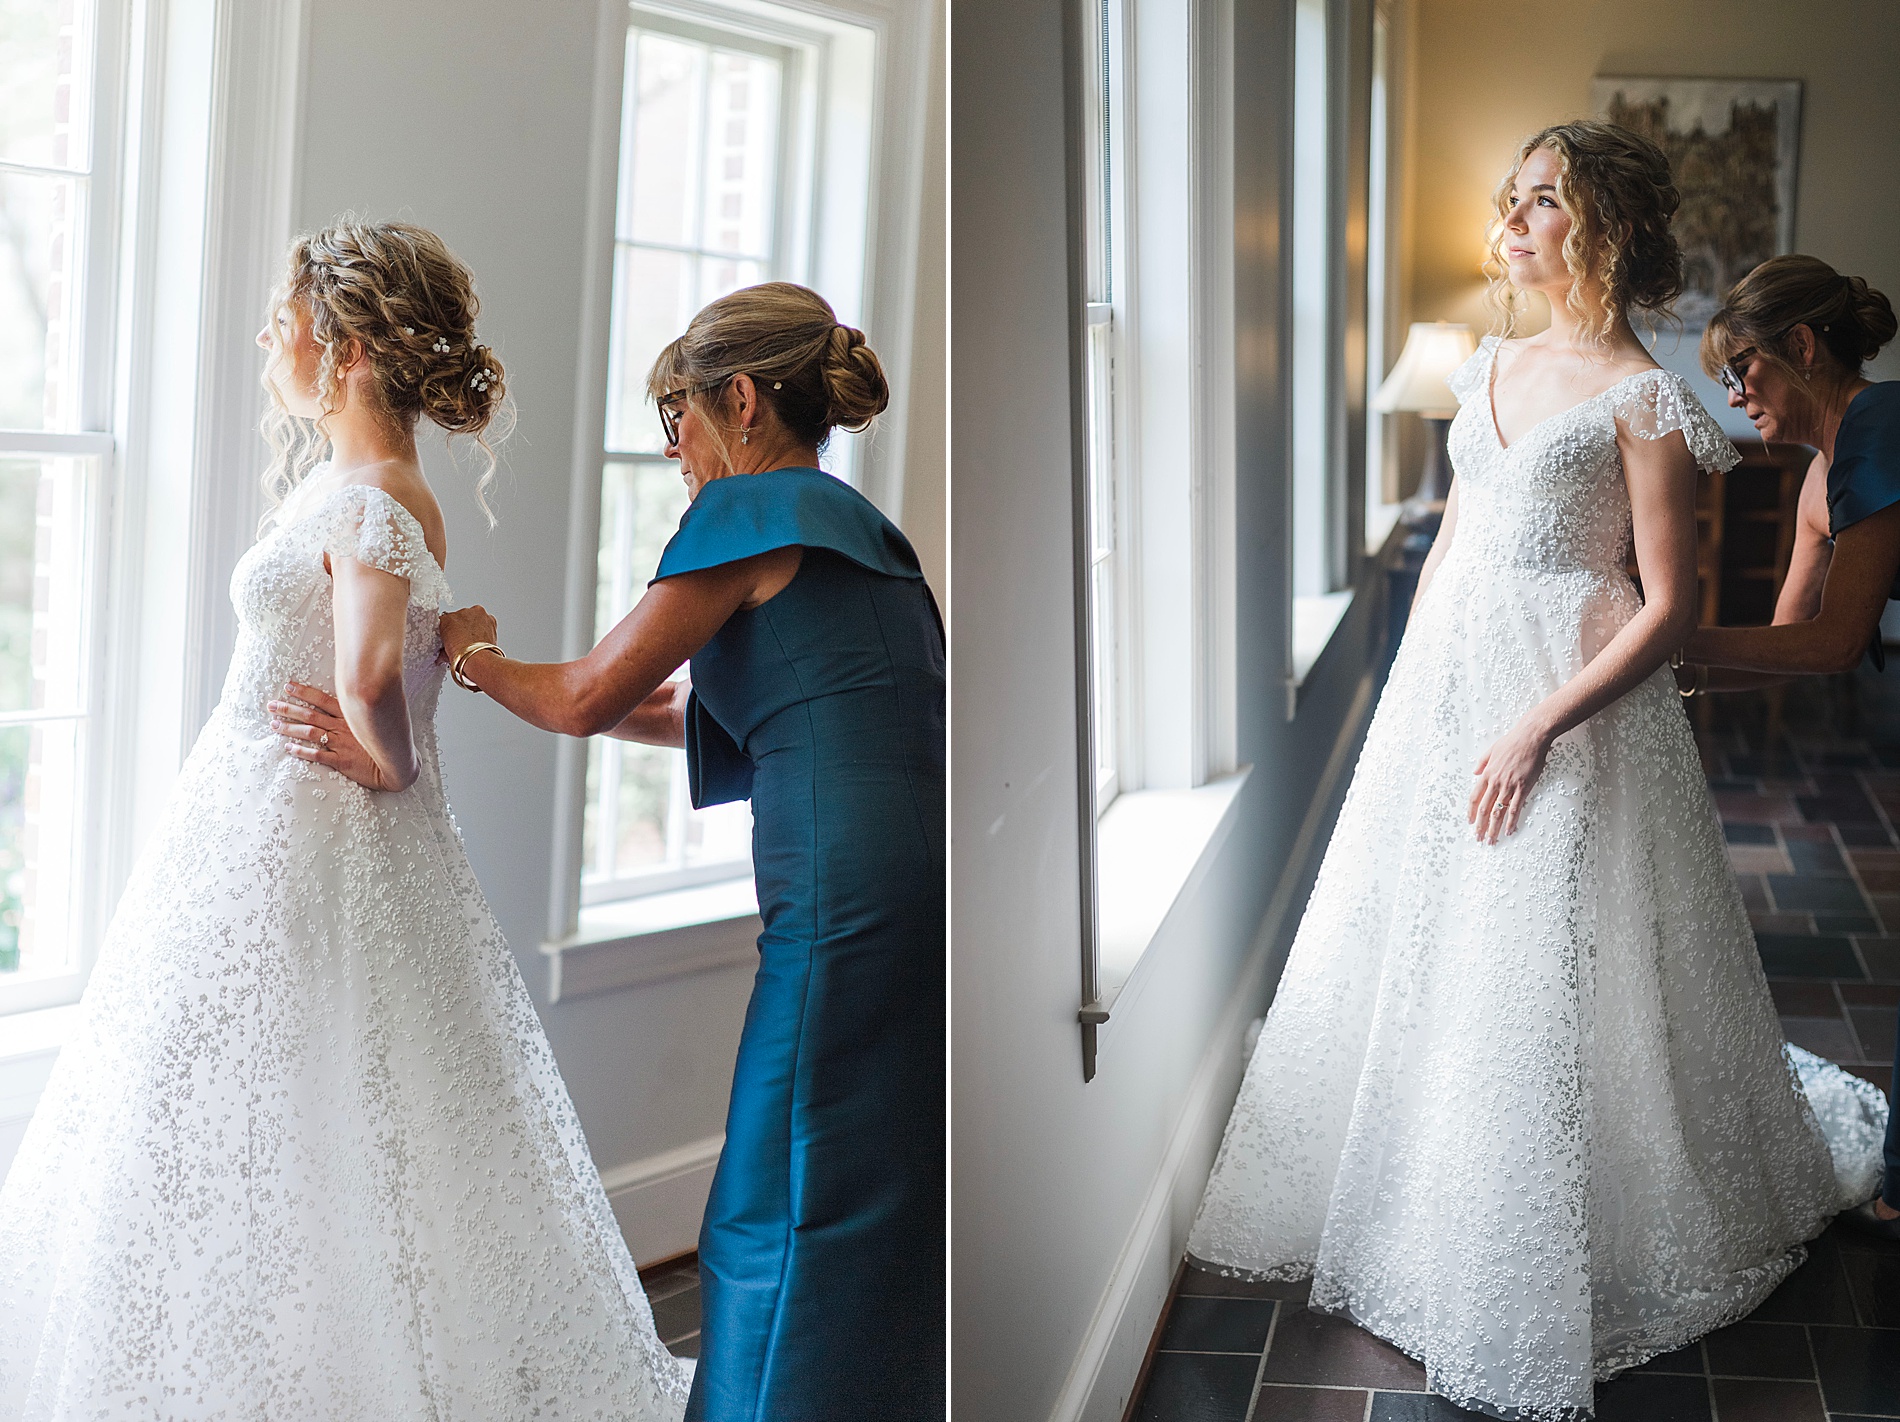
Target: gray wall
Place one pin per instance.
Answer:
(1050, 1176)
(472, 117)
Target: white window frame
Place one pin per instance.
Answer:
(1319, 563)
(1175, 782)
(1383, 306)
(873, 130)
(786, 257)
(194, 142)
(86, 438)
(1108, 518)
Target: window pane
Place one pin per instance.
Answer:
(42, 583)
(42, 112)
(39, 776)
(39, 230)
(655, 295)
(639, 819)
(661, 148)
(742, 146)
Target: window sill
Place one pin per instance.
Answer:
(1381, 519)
(632, 942)
(1151, 848)
(1315, 619)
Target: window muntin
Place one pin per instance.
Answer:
(50, 472)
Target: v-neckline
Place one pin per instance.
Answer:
(1491, 403)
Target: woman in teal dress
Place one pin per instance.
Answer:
(817, 691)
(1789, 344)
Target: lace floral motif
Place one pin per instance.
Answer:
(309, 1156)
(1525, 1109)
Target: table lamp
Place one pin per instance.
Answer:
(1433, 350)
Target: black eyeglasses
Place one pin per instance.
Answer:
(673, 404)
(1730, 372)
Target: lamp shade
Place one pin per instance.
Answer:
(1433, 350)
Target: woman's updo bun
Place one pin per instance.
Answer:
(816, 374)
(1850, 320)
(855, 390)
(394, 295)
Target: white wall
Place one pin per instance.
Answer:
(1070, 1201)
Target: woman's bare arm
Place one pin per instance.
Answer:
(371, 607)
(660, 720)
(1842, 614)
(1661, 475)
(1799, 599)
(596, 694)
(1446, 527)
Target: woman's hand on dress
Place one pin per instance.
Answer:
(1506, 774)
(463, 628)
(312, 725)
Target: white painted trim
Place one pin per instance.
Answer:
(1212, 491)
(1105, 1367)
(257, 71)
(1152, 848)
(53, 442)
(659, 1200)
(631, 942)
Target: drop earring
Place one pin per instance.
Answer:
(745, 436)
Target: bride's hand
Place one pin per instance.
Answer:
(464, 627)
(312, 725)
(1506, 774)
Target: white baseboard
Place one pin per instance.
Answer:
(660, 1200)
(1108, 1363)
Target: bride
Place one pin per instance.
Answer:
(309, 1155)
(1521, 1105)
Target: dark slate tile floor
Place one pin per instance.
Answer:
(673, 1290)
(1809, 794)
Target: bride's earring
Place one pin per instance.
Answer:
(745, 436)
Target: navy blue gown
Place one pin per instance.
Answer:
(1864, 479)
(822, 1253)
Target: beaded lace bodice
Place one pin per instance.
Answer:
(281, 589)
(1555, 498)
(309, 1155)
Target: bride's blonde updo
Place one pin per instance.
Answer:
(395, 293)
(1616, 186)
(815, 374)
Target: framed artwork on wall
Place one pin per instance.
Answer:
(1733, 145)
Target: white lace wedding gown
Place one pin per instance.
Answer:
(1525, 1110)
(309, 1158)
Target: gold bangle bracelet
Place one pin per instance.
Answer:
(455, 667)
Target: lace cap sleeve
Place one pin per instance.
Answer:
(1468, 379)
(1660, 402)
(367, 524)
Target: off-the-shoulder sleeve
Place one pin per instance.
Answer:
(367, 524)
(1660, 402)
(1471, 377)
